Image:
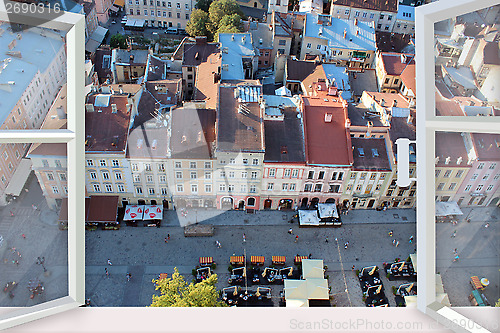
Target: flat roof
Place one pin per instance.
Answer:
(298, 70)
(198, 52)
(239, 124)
(339, 77)
(193, 132)
(326, 143)
(361, 81)
(285, 139)
(359, 116)
(239, 45)
(370, 154)
(32, 50)
(334, 33)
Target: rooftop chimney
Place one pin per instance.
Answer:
(459, 160)
(394, 103)
(447, 161)
(436, 160)
(382, 102)
(357, 32)
(243, 39)
(232, 37)
(403, 58)
(345, 33)
(409, 120)
(355, 21)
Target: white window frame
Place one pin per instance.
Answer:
(427, 126)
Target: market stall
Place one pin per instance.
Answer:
(153, 215)
(133, 214)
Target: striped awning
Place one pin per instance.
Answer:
(476, 283)
(298, 259)
(257, 259)
(206, 260)
(279, 259)
(237, 260)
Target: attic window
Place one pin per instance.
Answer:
(113, 108)
(89, 107)
(375, 152)
(361, 152)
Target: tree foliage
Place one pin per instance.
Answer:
(197, 25)
(220, 8)
(203, 5)
(229, 24)
(497, 304)
(118, 41)
(176, 292)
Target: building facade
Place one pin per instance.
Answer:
(159, 13)
(382, 13)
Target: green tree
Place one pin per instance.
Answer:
(203, 4)
(229, 24)
(220, 8)
(497, 304)
(197, 25)
(176, 292)
(118, 41)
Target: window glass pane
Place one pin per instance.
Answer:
(33, 235)
(467, 70)
(33, 72)
(467, 216)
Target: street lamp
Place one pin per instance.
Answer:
(467, 217)
(41, 261)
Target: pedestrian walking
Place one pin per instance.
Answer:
(486, 225)
(23, 236)
(106, 271)
(456, 258)
(397, 243)
(34, 207)
(394, 242)
(11, 214)
(353, 267)
(166, 240)
(218, 244)
(168, 236)
(296, 238)
(244, 238)
(109, 263)
(326, 240)
(346, 244)
(310, 256)
(411, 239)
(390, 233)
(290, 231)
(454, 234)
(455, 251)
(129, 276)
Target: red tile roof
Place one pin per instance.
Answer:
(326, 143)
(205, 87)
(395, 63)
(104, 130)
(487, 146)
(450, 145)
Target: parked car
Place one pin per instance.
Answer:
(172, 30)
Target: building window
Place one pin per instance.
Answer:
(161, 167)
(447, 174)
(401, 193)
(255, 161)
(321, 175)
(231, 174)
(97, 188)
(115, 163)
(356, 13)
(359, 187)
(162, 178)
(93, 175)
(489, 188)
(493, 166)
(149, 178)
(208, 188)
(286, 173)
(57, 162)
(497, 176)
(459, 173)
(308, 45)
(480, 165)
(151, 190)
(346, 12)
(245, 161)
(389, 17)
(222, 173)
(164, 191)
(389, 193)
(381, 16)
(230, 188)
(121, 188)
(318, 47)
(295, 173)
(373, 176)
(254, 175)
(284, 187)
(270, 186)
(292, 187)
(89, 162)
(222, 187)
(334, 188)
(479, 188)
(440, 186)
(208, 175)
(178, 15)
(244, 174)
(178, 165)
(105, 175)
(50, 176)
(137, 178)
(108, 187)
(467, 188)
(485, 177)
(62, 176)
(180, 188)
(353, 175)
(307, 187)
(436, 173)
(452, 186)
(135, 167)
(253, 189)
(194, 188)
(243, 188)
(364, 15)
(310, 175)
(363, 176)
(178, 174)
(55, 189)
(102, 162)
(147, 167)
(474, 176)
(208, 165)
(272, 172)
(193, 175)
(232, 161)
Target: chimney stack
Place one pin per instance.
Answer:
(345, 33)
(355, 21)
